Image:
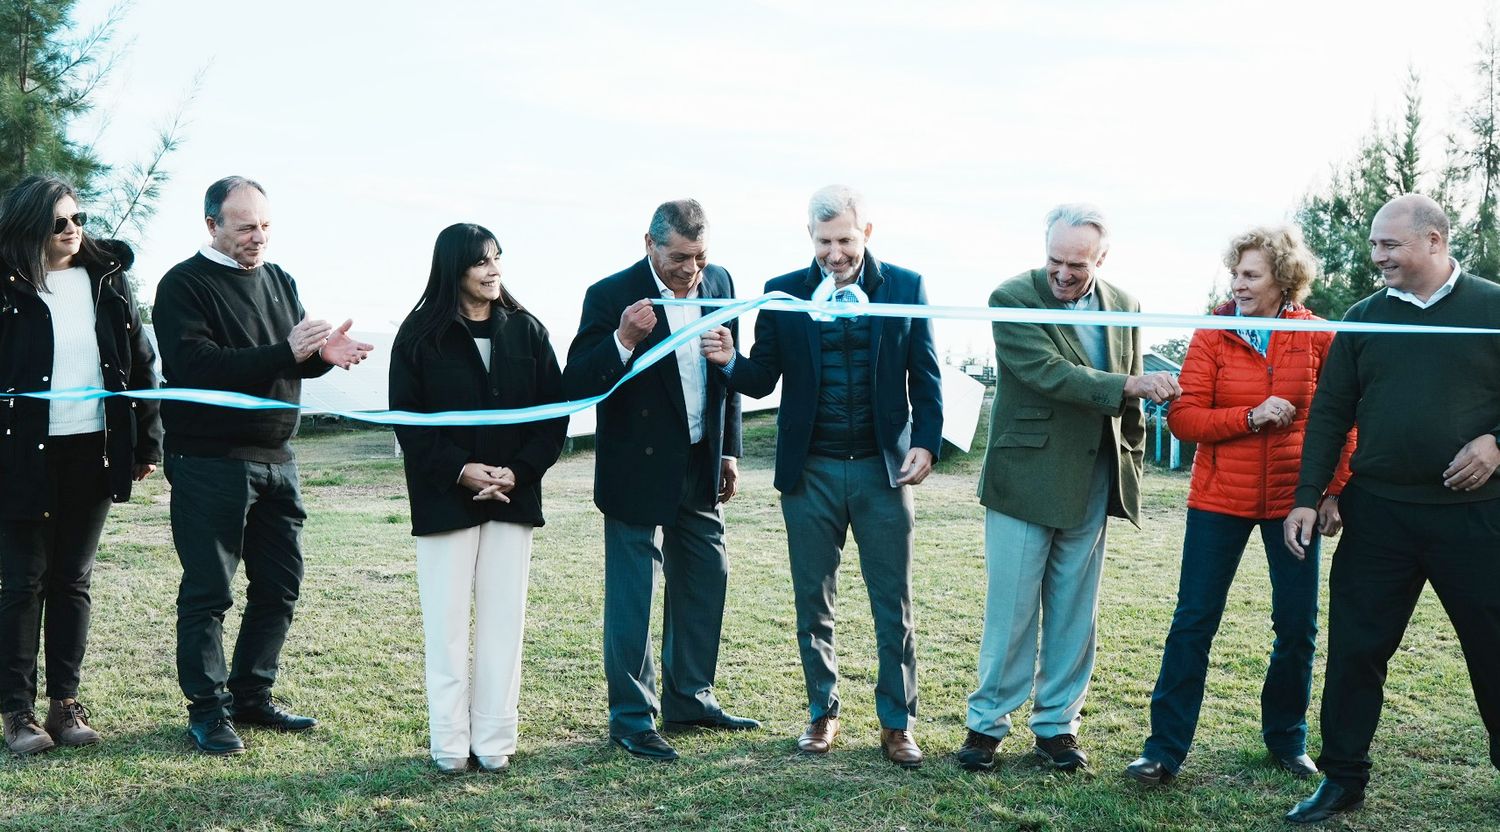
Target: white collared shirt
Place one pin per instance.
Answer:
(220, 257)
(1443, 291)
(692, 367)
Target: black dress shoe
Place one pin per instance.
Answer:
(977, 752)
(216, 736)
(1149, 772)
(1299, 766)
(270, 714)
(716, 722)
(647, 744)
(1330, 799)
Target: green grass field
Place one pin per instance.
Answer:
(354, 660)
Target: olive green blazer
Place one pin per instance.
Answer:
(1054, 412)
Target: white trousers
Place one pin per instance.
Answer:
(489, 565)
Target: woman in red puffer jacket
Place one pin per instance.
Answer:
(1245, 397)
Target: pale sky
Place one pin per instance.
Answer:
(560, 127)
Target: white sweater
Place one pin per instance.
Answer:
(75, 352)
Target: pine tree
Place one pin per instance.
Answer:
(47, 74)
(1481, 160)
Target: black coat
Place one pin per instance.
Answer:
(641, 450)
(444, 372)
(907, 383)
(127, 362)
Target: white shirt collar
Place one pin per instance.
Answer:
(1443, 291)
(661, 288)
(221, 258)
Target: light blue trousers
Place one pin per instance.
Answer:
(1041, 580)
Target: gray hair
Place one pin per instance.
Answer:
(834, 200)
(685, 216)
(1078, 214)
(213, 200)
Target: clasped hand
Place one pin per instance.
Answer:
(488, 482)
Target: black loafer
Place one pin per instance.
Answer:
(270, 714)
(1330, 799)
(1299, 766)
(717, 722)
(1149, 772)
(216, 736)
(648, 745)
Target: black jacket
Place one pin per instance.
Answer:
(132, 427)
(641, 450)
(444, 372)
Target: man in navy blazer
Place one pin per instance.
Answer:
(849, 444)
(665, 450)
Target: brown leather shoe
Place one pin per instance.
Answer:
(24, 735)
(818, 737)
(67, 722)
(900, 747)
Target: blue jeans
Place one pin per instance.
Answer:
(1211, 551)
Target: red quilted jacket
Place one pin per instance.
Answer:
(1237, 472)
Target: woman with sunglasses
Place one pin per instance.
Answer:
(68, 319)
(475, 491)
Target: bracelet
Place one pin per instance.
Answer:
(1250, 421)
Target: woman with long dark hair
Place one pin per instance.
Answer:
(475, 492)
(68, 319)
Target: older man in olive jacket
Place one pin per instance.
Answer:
(1066, 443)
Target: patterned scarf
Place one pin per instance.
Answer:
(1260, 339)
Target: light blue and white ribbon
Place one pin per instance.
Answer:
(827, 306)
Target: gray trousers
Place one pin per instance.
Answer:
(1040, 575)
(690, 554)
(833, 496)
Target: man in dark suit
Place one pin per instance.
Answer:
(849, 444)
(665, 451)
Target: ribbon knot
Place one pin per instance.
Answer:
(829, 296)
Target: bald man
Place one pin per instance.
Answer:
(1423, 504)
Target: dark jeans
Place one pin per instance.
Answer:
(46, 565)
(1389, 551)
(225, 511)
(1211, 551)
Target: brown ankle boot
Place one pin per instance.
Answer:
(67, 722)
(23, 735)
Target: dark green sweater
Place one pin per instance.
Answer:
(221, 328)
(1417, 399)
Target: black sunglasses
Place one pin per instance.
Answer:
(60, 224)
